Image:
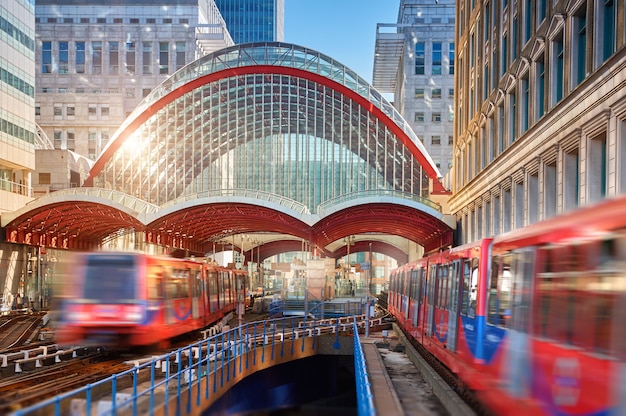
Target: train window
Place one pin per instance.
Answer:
(504, 291)
(493, 301)
(521, 286)
(467, 280)
(154, 283)
(415, 283)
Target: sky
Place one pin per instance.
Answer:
(342, 29)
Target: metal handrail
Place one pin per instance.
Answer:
(222, 351)
(364, 395)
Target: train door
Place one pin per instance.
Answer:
(431, 297)
(406, 287)
(517, 350)
(453, 313)
(416, 284)
(195, 276)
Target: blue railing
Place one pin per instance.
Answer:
(183, 369)
(364, 396)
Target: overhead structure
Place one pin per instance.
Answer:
(264, 137)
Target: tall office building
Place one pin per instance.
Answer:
(540, 124)
(414, 60)
(254, 20)
(97, 59)
(17, 102)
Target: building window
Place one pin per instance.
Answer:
(419, 92)
(450, 142)
(101, 20)
(527, 10)
(150, 20)
(437, 58)
(92, 110)
(541, 11)
(145, 92)
(557, 69)
(44, 178)
(164, 56)
(64, 57)
(540, 88)
(420, 55)
(436, 117)
(436, 93)
(58, 139)
(435, 140)
(84, 20)
(487, 22)
(80, 57)
(134, 21)
(37, 110)
(104, 111)
(451, 59)
(514, 34)
(504, 59)
(167, 21)
(181, 48)
(96, 57)
(114, 58)
(525, 103)
(71, 141)
(597, 168)
(146, 48)
(450, 92)
(130, 58)
(58, 110)
(419, 117)
(579, 50)
(118, 21)
(606, 36)
(71, 110)
(46, 57)
(130, 92)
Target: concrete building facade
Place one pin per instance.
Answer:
(96, 60)
(540, 125)
(414, 60)
(17, 101)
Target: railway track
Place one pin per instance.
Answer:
(15, 330)
(29, 388)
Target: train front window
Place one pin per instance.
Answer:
(110, 279)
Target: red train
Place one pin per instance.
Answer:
(533, 320)
(129, 299)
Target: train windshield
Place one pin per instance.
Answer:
(110, 279)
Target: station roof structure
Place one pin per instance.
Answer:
(263, 138)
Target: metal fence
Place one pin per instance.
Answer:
(181, 379)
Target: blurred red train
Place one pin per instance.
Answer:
(131, 299)
(534, 320)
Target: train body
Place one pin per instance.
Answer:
(131, 299)
(533, 321)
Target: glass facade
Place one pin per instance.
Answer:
(285, 132)
(253, 20)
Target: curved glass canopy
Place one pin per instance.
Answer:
(273, 117)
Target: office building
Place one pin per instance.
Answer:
(540, 111)
(17, 102)
(414, 61)
(254, 20)
(97, 59)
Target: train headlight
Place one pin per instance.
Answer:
(134, 316)
(77, 316)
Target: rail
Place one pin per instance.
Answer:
(195, 372)
(364, 396)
